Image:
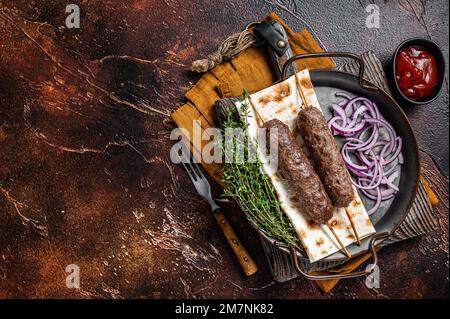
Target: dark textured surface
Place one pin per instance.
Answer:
(85, 175)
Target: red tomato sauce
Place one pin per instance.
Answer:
(416, 72)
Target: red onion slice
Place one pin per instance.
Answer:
(373, 160)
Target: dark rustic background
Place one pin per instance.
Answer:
(85, 176)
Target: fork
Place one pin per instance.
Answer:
(202, 186)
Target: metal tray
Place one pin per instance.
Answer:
(387, 219)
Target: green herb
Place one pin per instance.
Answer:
(253, 189)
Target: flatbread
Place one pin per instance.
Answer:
(282, 101)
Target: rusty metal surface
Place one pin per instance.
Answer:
(85, 174)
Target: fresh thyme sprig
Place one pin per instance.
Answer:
(253, 189)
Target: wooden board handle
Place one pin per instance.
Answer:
(247, 263)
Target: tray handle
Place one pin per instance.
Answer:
(355, 57)
(372, 247)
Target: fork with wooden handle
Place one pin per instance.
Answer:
(204, 189)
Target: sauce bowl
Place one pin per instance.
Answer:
(434, 49)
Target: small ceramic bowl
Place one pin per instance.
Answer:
(434, 49)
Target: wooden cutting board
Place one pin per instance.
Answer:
(226, 80)
(249, 70)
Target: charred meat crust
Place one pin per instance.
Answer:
(326, 156)
(295, 167)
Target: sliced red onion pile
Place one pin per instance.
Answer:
(374, 160)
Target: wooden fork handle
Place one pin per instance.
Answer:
(247, 263)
